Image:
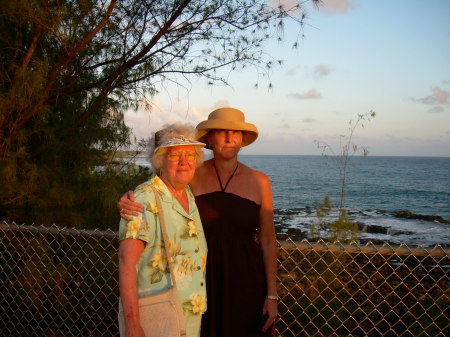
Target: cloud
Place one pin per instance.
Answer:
(436, 110)
(311, 94)
(438, 96)
(293, 71)
(286, 4)
(153, 114)
(309, 120)
(336, 6)
(322, 70)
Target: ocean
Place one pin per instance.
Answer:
(376, 188)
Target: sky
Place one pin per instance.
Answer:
(357, 56)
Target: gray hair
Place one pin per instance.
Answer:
(170, 131)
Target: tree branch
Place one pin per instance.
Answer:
(134, 60)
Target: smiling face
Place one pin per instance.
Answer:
(179, 165)
(225, 143)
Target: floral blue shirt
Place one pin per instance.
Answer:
(187, 246)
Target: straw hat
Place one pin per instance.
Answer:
(227, 119)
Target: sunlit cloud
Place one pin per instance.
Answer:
(438, 96)
(322, 70)
(336, 6)
(285, 4)
(311, 94)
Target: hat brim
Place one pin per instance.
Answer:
(191, 143)
(250, 130)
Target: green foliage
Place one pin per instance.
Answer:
(343, 229)
(324, 208)
(70, 68)
(322, 211)
(89, 202)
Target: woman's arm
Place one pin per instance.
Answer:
(129, 252)
(268, 243)
(127, 206)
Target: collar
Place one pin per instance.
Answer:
(167, 197)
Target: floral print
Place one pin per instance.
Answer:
(193, 230)
(134, 225)
(151, 206)
(197, 304)
(187, 246)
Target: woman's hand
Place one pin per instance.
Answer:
(128, 207)
(271, 310)
(134, 330)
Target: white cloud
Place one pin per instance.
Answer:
(311, 94)
(152, 115)
(336, 6)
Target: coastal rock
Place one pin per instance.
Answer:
(411, 215)
(372, 228)
(296, 234)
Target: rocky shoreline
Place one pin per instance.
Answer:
(296, 234)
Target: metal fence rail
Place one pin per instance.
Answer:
(63, 282)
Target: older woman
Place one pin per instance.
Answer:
(235, 203)
(143, 269)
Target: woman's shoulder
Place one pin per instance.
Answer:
(249, 172)
(144, 191)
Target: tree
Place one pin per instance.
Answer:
(56, 49)
(343, 229)
(69, 68)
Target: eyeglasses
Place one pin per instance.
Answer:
(175, 157)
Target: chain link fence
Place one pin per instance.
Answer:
(63, 282)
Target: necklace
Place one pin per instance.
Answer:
(229, 179)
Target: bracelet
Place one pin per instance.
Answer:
(270, 297)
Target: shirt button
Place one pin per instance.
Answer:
(196, 250)
(198, 267)
(201, 284)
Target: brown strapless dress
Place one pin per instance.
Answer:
(235, 278)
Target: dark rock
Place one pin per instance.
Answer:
(296, 234)
(376, 229)
(411, 215)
